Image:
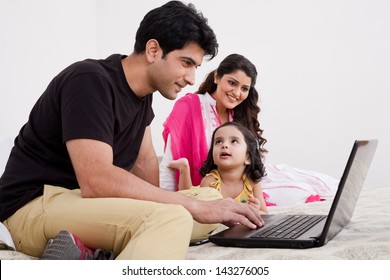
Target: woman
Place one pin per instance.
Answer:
(227, 94)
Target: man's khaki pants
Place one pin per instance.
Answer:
(133, 229)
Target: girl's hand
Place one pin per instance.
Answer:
(254, 202)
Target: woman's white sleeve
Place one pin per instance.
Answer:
(167, 175)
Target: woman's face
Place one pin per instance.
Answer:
(232, 89)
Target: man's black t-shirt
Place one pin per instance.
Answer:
(90, 99)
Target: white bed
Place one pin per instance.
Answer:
(366, 237)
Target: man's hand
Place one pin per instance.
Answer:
(226, 211)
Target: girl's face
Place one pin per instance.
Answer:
(232, 89)
(229, 148)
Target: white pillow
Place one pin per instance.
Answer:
(286, 185)
(6, 241)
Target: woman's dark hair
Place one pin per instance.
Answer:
(174, 25)
(255, 170)
(247, 112)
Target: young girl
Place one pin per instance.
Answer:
(233, 166)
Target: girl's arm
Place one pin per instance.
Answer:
(258, 198)
(182, 165)
(206, 181)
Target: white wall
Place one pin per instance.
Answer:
(324, 66)
(37, 40)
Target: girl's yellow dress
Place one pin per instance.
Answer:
(243, 197)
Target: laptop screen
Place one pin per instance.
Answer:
(350, 186)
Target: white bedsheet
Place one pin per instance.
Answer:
(366, 237)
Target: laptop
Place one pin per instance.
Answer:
(311, 231)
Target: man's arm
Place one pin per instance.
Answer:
(98, 177)
(146, 166)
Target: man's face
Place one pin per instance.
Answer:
(176, 70)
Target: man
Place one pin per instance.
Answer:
(84, 162)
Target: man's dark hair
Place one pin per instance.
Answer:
(174, 25)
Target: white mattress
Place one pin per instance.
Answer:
(366, 237)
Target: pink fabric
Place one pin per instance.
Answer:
(266, 196)
(186, 129)
(313, 198)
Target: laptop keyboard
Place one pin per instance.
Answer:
(289, 228)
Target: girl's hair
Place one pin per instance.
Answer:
(255, 170)
(174, 25)
(247, 112)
